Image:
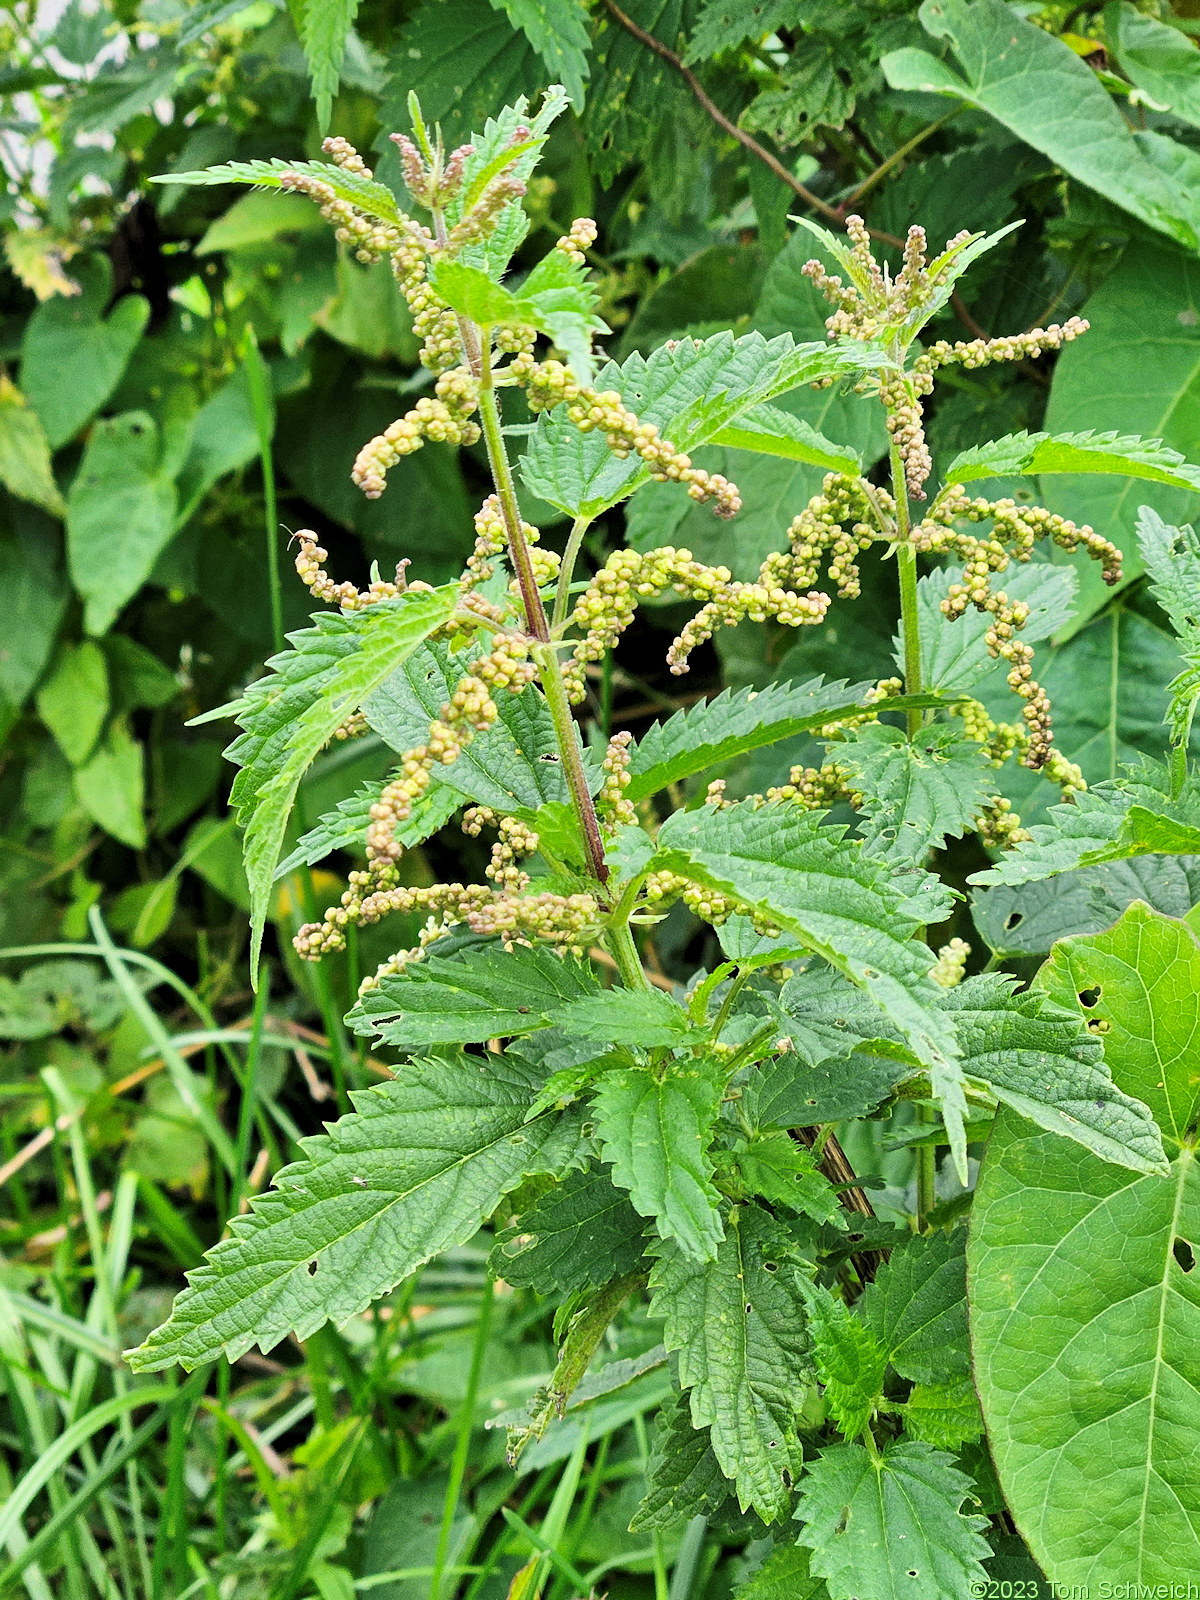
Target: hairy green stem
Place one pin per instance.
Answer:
(562, 594)
(906, 562)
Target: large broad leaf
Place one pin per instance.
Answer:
(37, 597)
(692, 392)
(916, 792)
(954, 653)
(889, 1526)
(122, 483)
(1138, 370)
(413, 1170)
(291, 715)
(1031, 454)
(655, 1130)
(1161, 60)
(579, 1235)
(73, 356)
(737, 1323)
(731, 725)
(25, 452)
(841, 903)
(487, 994)
(1043, 92)
(1045, 1063)
(513, 767)
(1085, 1309)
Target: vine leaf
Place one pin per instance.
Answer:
(1040, 1059)
(916, 792)
(577, 1236)
(691, 391)
(954, 654)
(490, 993)
(851, 1362)
(410, 1172)
(656, 1133)
(288, 717)
(733, 724)
(1085, 1311)
(843, 905)
(1038, 454)
(345, 827)
(738, 1325)
(891, 1525)
(917, 1307)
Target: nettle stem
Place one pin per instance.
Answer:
(545, 654)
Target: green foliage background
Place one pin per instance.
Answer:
(185, 372)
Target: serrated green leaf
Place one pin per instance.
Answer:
(413, 1170)
(634, 97)
(374, 199)
(345, 827)
(486, 994)
(1138, 370)
(776, 1168)
(691, 391)
(1037, 87)
(851, 1362)
(954, 654)
(656, 1134)
(768, 431)
(1031, 454)
(324, 31)
(577, 1236)
(723, 24)
(472, 293)
(1172, 558)
(513, 767)
(643, 1017)
(1042, 1061)
(557, 30)
(916, 792)
(890, 1525)
(917, 1307)
(733, 724)
(784, 1575)
(737, 1323)
(683, 1476)
(1085, 1314)
(790, 1092)
(842, 904)
(944, 1414)
(288, 717)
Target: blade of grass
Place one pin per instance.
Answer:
(462, 1444)
(262, 404)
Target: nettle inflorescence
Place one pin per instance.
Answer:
(827, 536)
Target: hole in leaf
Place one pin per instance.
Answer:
(1014, 919)
(1184, 1254)
(549, 758)
(770, 1266)
(312, 1269)
(913, 1573)
(1089, 997)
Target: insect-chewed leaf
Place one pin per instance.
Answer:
(851, 1362)
(1091, 1409)
(889, 1525)
(738, 1325)
(843, 904)
(683, 1476)
(1040, 1059)
(345, 827)
(577, 1236)
(414, 1169)
(290, 716)
(691, 392)
(656, 1132)
(916, 791)
(1037, 454)
(917, 1307)
(732, 725)
(486, 994)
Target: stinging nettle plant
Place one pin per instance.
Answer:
(676, 1150)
